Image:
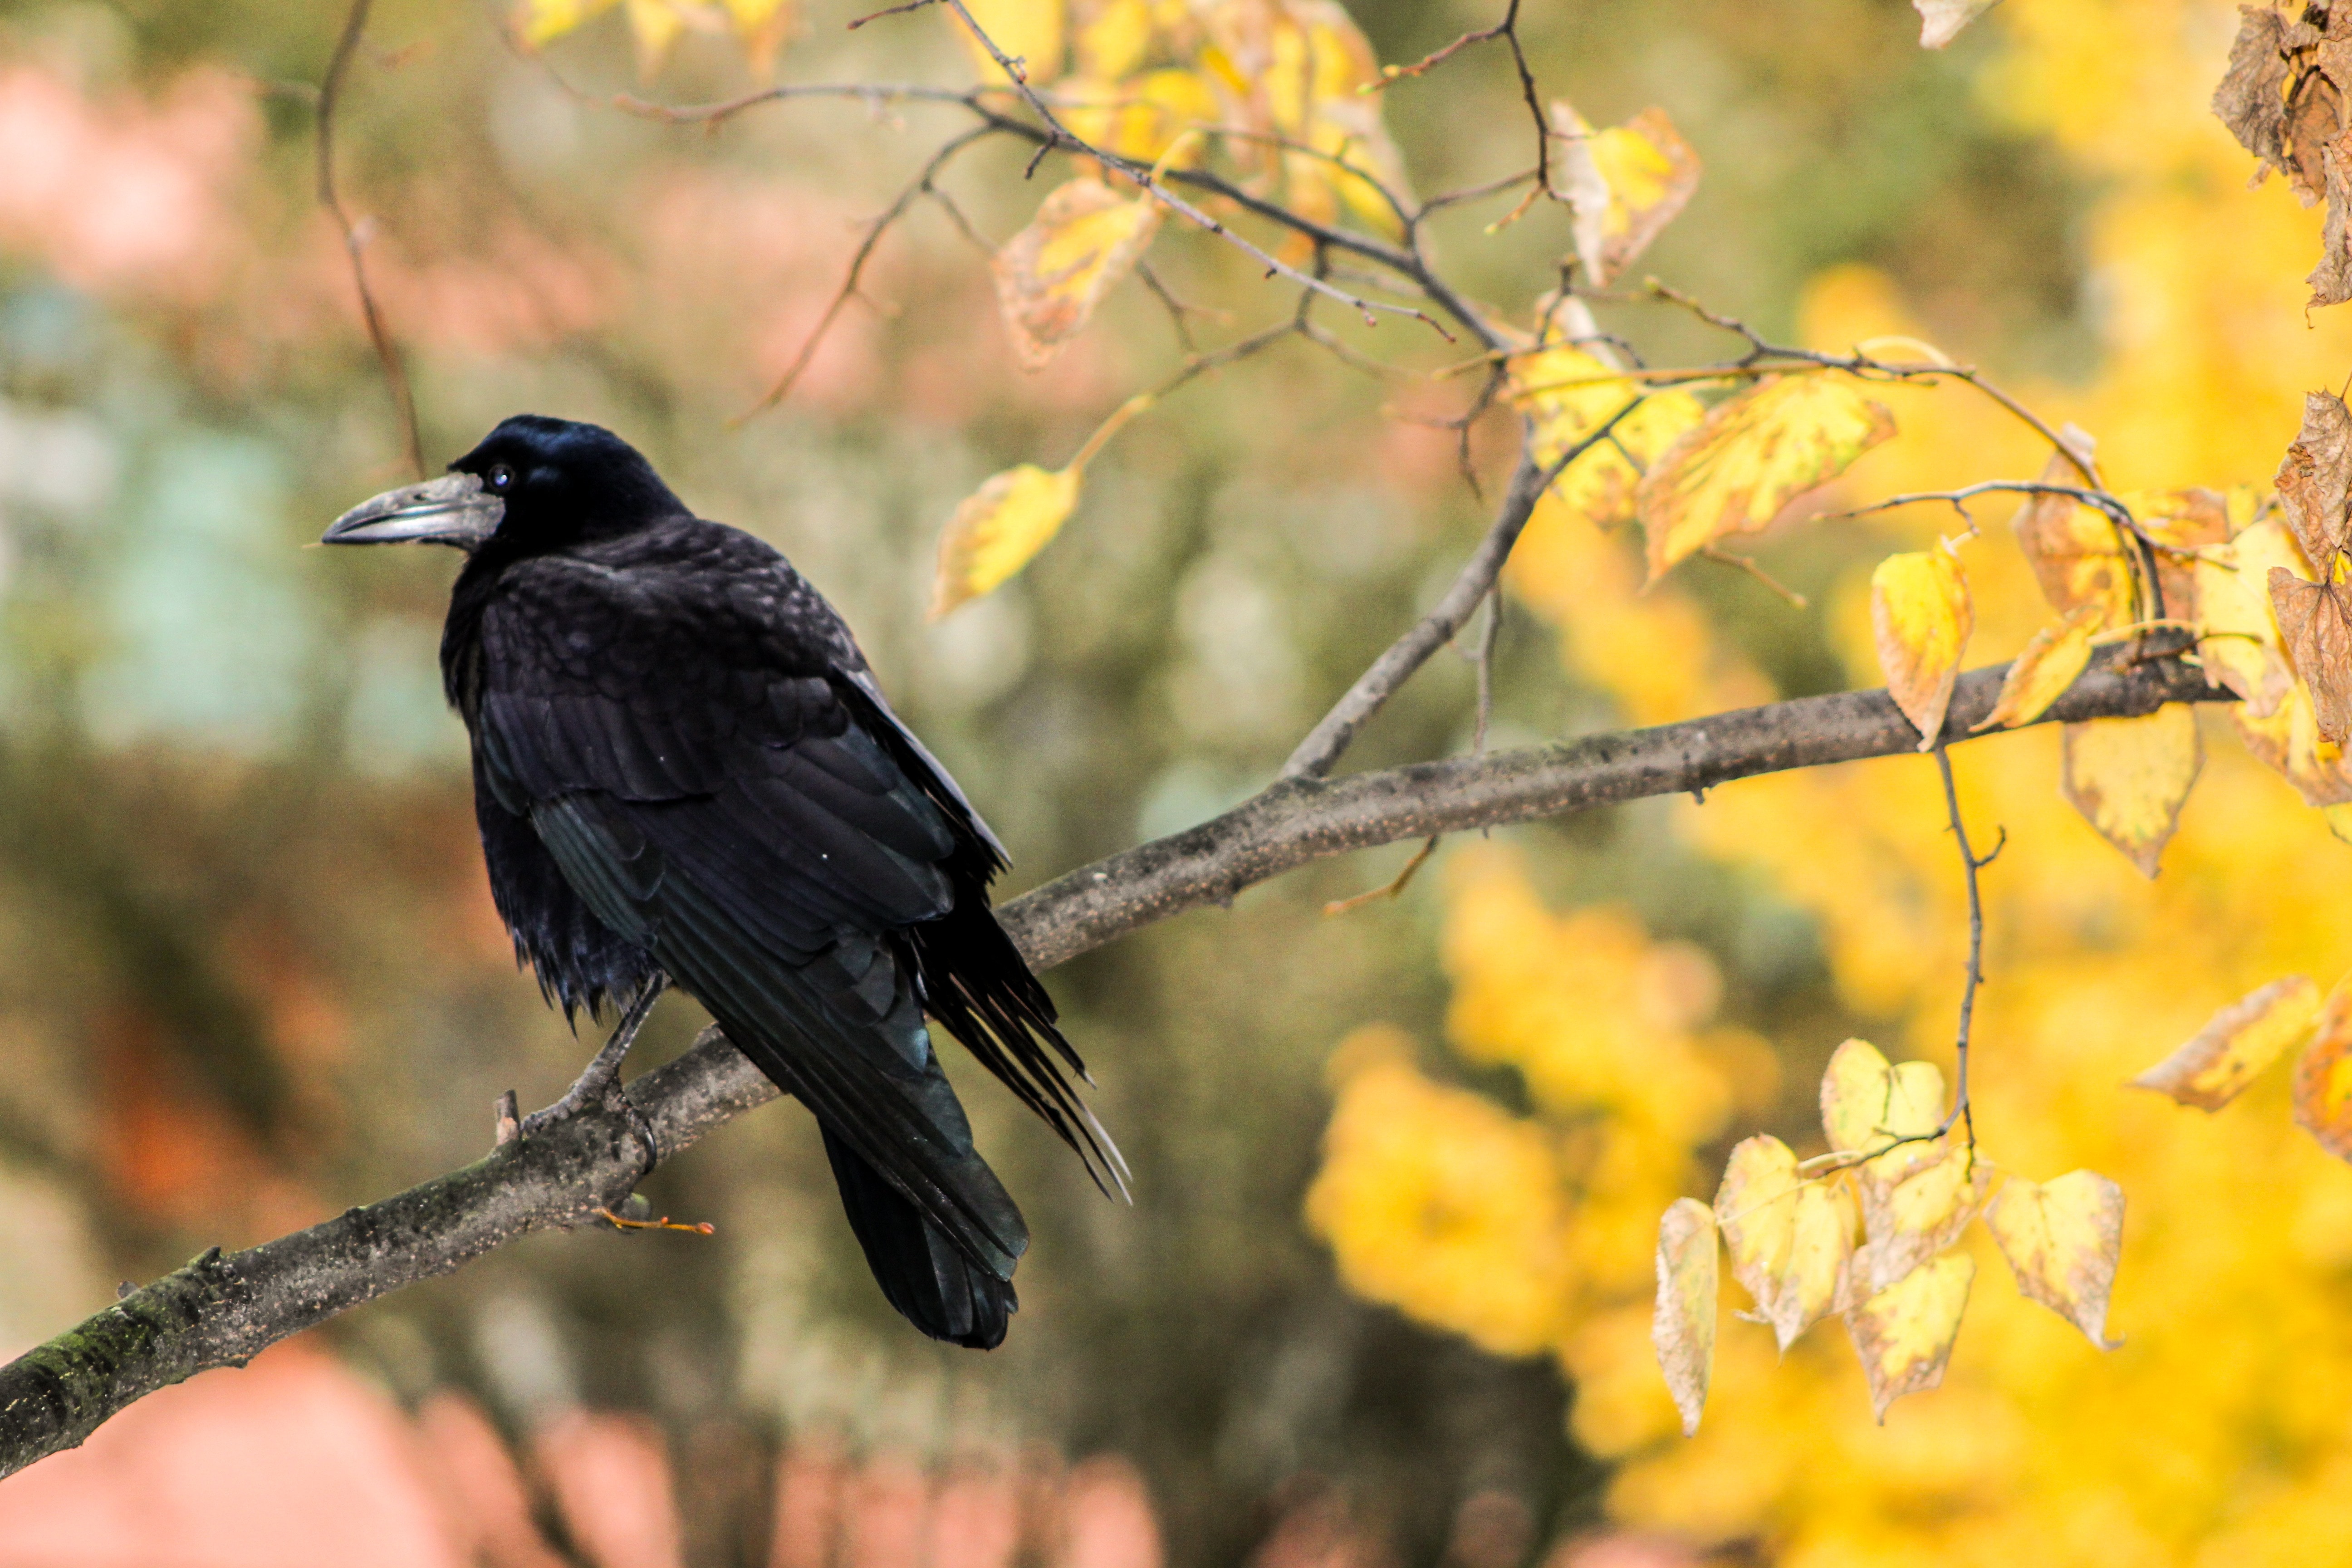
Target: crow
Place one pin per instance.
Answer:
(686, 773)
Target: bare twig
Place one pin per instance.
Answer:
(1321, 748)
(1507, 30)
(1971, 863)
(395, 374)
(1748, 563)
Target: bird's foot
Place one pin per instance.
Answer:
(600, 1084)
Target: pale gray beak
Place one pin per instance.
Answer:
(449, 510)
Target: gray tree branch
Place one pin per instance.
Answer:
(220, 1311)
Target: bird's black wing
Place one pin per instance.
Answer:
(681, 724)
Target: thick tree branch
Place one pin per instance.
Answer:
(221, 1310)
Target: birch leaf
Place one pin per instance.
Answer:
(1624, 185)
(999, 527)
(1788, 1239)
(1684, 1327)
(2062, 1239)
(1751, 457)
(1854, 1092)
(2240, 1041)
(2053, 659)
(1920, 612)
(1904, 1334)
(1052, 275)
(2129, 778)
(1566, 395)
(1917, 1210)
(2240, 642)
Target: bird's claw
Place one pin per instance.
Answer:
(599, 1086)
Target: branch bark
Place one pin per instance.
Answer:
(221, 1310)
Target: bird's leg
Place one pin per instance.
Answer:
(600, 1083)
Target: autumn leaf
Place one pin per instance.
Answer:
(1904, 1333)
(2323, 1076)
(998, 528)
(1147, 119)
(1917, 1209)
(1940, 21)
(2238, 1043)
(2252, 98)
(1026, 31)
(1052, 275)
(1683, 1328)
(1788, 1239)
(2315, 479)
(1296, 71)
(1566, 394)
(2239, 642)
(2130, 777)
(1751, 457)
(2288, 742)
(1920, 617)
(1624, 185)
(2316, 620)
(2052, 658)
(2183, 525)
(1112, 37)
(2062, 1239)
(1866, 1103)
(2073, 547)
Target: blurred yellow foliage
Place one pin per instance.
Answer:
(2217, 1432)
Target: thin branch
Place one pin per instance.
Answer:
(1321, 748)
(1971, 863)
(395, 374)
(221, 1310)
(1507, 30)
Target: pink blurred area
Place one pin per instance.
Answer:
(296, 1462)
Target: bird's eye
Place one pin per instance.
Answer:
(500, 478)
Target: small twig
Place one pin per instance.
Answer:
(893, 11)
(1395, 887)
(1483, 657)
(1748, 563)
(395, 374)
(917, 188)
(1507, 30)
(1971, 863)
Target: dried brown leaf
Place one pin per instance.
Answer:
(2252, 98)
(2315, 479)
(2316, 619)
(2072, 548)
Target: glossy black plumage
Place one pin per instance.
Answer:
(683, 766)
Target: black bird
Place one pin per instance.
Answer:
(684, 773)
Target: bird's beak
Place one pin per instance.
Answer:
(450, 510)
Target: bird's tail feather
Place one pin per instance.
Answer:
(920, 1271)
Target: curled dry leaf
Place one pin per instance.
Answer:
(2252, 98)
(2130, 777)
(1624, 185)
(1788, 1239)
(2315, 479)
(1940, 21)
(1904, 1334)
(2051, 660)
(2240, 1041)
(2062, 1239)
(1751, 455)
(998, 528)
(1684, 1326)
(1566, 395)
(2323, 1076)
(1052, 275)
(1921, 616)
(2316, 620)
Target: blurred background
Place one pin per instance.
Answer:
(1383, 1298)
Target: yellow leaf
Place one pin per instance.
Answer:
(2238, 1042)
(1112, 38)
(2062, 1239)
(1052, 275)
(1788, 1239)
(543, 21)
(1624, 185)
(1295, 71)
(1855, 1090)
(2323, 1076)
(2240, 644)
(1145, 118)
(2129, 777)
(1027, 31)
(2288, 741)
(999, 529)
(1940, 21)
(1920, 613)
(2073, 547)
(1904, 1334)
(2052, 658)
(1566, 395)
(1684, 1326)
(2186, 525)
(1916, 1209)
(1751, 457)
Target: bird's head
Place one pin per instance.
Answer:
(534, 484)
